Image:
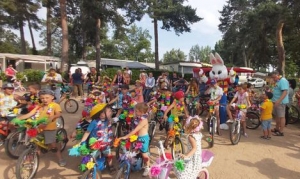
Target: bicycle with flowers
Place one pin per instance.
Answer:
(70, 105)
(130, 157)
(212, 123)
(235, 127)
(93, 157)
(163, 165)
(29, 159)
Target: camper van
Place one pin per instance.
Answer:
(83, 66)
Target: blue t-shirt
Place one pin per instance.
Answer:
(280, 86)
(101, 130)
(76, 78)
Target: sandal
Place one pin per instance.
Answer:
(274, 130)
(278, 133)
(263, 137)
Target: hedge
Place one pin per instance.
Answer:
(32, 75)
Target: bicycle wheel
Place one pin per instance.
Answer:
(71, 106)
(15, 144)
(201, 109)
(252, 120)
(62, 138)
(124, 171)
(234, 133)
(203, 174)
(177, 147)
(60, 122)
(27, 162)
(151, 131)
(91, 174)
(212, 126)
(294, 115)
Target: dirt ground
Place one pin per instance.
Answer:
(252, 158)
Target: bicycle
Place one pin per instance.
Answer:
(5, 127)
(164, 164)
(203, 106)
(294, 114)
(35, 141)
(131, 158)
(71, 105)
(253, 115)
(212, 123)
(191, 104)
(235, 127)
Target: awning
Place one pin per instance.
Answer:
(135, 64)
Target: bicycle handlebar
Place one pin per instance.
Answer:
(33, 123)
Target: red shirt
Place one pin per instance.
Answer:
(10, 72)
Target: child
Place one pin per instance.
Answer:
(139, 91)
(242, 98)
(52, 111)
(193, 165)
(266, 115)
(31, 99)
(101, 129)
(216, 93)
(141, 128)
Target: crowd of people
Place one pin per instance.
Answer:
(166, 93)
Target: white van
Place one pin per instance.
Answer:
(83, 66)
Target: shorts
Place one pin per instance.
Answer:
(266, 124)
(279, 111)
(50, 137)
(146, 141)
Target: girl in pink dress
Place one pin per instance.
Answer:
(139, 92)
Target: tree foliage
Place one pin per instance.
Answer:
(199, 54)
(175, 55)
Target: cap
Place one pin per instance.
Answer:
(269, 94)
(178, 95)
(124, 86)
(213, 81)
(46, 91)
(8, 85)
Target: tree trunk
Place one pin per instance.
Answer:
(64, 27)
(98, 57)
(245, 57)
(49, 33)
(156, 44)
(34, 51)
(280, 47)
(84, 54)
(23, 43)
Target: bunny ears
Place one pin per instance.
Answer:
(216, 60)
(199, 127)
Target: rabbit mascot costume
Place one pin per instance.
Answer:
(220, 73)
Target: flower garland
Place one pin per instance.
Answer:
(179, 105)
(165, 99)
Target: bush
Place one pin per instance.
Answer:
(3, 76)
(32, 75)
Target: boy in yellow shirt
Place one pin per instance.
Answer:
(266, 115)
(52, 111)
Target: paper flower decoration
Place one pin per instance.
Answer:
(155, 171)
(92, 141)
(133, 138)
(171, 133)
(74, 151)
(32, 132)
(85, 159)
(179, 165)
(96, 145)
(90, 165)
(176, 127)
(84, 150)
(176, 119)
(170, 119)
(82, 167)
(116, 142)
(138, 145)
(122, 116)
(127, 145)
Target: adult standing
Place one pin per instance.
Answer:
(77, 79)
(150, 83)
(53, 81)
(280, 100)
(10, 73)
(92, 78)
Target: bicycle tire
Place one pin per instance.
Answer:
(212, 122)
(201, 109)
(22, 157)
(62, 136)
(203, 174)
(177, 140)
(123, 170)
(293, 117)
(68, 109)
(8, 145)
(252, 120)
(152, 128)
(86, 174)
(233, 128)
(60, 122)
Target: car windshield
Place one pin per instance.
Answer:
(252, 80)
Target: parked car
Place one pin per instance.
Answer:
(257, 82)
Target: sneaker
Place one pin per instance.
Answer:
(62, 163)
(146, 172)
(246, 135)
(229, 121)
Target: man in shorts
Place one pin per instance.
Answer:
(280, 100)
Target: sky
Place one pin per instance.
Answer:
(202, 33)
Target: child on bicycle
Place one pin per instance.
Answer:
(193, 90)
(141, 129)
(48, 108)
(216, 93)
(242, 98)
(193, 159)
(30, 100)
(266, 115)
(101, 129)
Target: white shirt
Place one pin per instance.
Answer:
(6, 102)
(129, 72)
(56, 77)
(215, 92)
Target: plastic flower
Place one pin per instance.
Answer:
(171, 133)
(92, 141)
(90, 165)
(133, 138)
(138, 145)
(32, 132)
(74, 151)
(116, 142)
(155, 171)
(82, 167)
(176, 119)
(176, 127)
(179, 165)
